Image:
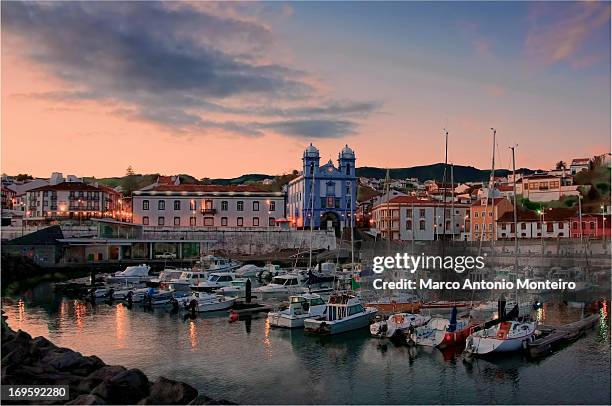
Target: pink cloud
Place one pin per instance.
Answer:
(560, 34)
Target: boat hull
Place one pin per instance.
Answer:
(213, 307)
(324, 327)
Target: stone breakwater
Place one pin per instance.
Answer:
(37, 361)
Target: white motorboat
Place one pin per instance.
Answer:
(207, 302)
(131, 274)
(212, 263)
(505, 336)
(300, 308)
(168, 274)
(216, 280)
(281, 286)
(343, 312)
(190, 278)
(398, 323)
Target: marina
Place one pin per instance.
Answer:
(187, 348)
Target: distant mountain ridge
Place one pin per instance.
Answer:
(461, 173)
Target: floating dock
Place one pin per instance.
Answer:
(555, 335)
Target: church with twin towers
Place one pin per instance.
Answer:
(323, 196)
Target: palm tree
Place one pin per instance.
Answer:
(561, 165)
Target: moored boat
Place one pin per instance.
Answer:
(505, 334)
(300, 308)
(397, 324)
(343, 312)
(441, 332)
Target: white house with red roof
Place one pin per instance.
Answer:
(175, 205)
(579, 164)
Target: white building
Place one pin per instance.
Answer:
(579, 165)
(554, 223)
(545, 187)
(408, 217)
(175, 205)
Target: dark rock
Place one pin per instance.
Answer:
(168, 392)
(87, 400)
(63, 360)
(105, 373)
(17, 355)
(127, 387)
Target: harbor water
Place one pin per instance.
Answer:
(249, 362)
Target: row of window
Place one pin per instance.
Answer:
(409, 213)
(482, 214)
(208, 221)
(543, 185)
(208, 205)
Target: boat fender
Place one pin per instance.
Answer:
(233, 316)
(524, 344)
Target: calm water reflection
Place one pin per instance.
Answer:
(248, 362)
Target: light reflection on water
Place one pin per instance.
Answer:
(249, 362)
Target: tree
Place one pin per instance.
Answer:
(561, 165)
(205, 181)
(23, 176)
(128, 183)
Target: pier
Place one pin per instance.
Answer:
(553, 336)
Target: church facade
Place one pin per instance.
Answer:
(323, 194)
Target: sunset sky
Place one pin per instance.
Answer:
(223, 89)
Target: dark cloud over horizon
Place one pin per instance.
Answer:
(175, 65)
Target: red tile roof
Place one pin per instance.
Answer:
(553, 214)
(505, 188)
(496, 201)
(206, 188)
(67, 186)
(580, 161)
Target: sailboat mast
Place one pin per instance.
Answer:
(452, 216)
(388, 186)
(444, 190)
(515, 213)
(491, 192)
(352, 228)
(312, 192)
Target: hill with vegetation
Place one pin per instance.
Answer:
(435, 172)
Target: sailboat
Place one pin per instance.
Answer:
(442, 333)
(504, 334)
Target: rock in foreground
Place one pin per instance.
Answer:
(28, 361)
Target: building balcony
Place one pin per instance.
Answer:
(207, 212)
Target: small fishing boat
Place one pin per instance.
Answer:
(300, 308)
(343, 312)
(397, 324)
(504, 334)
